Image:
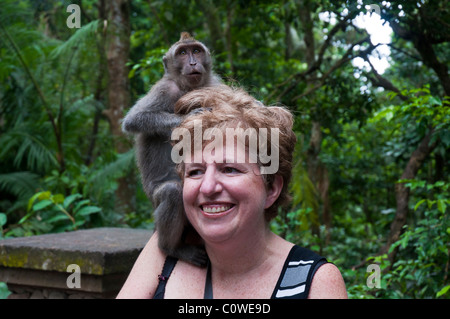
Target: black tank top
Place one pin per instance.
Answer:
(294, 281)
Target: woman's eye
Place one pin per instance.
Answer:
(194, 172)
(230, 170)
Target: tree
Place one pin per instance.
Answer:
(422, 24)
(370, 174)
(117, 51)
(324, 58)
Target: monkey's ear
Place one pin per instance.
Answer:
(165, 63)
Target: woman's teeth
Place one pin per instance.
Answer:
(215, 209)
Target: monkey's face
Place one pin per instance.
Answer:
(191, 63)
(225, 199)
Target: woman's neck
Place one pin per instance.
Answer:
(241, 255)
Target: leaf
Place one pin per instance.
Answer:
(24, 218)
(441, 205)
(435, 101)
(3, 219)
(386, 114)
(80, 204)
(36, 196)
(42, 204)
(58, 198)
(88, 210)
(419, 203)
(70, 199)
(86, 33)
(57, 218)
(45, 195)
(443, 291)
(20, 184)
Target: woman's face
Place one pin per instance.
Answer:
(225, 199)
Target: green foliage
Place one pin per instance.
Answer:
(4, 292)
(305, 200)
(60, 169)
(422, 269)
(55, 213)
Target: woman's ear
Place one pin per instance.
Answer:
(274, 191)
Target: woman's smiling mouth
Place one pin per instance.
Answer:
(216, 208)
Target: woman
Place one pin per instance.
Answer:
(230, 193)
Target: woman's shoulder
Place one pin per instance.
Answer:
(327, 283)
(143, 278)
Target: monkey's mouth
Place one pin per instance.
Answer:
(194, 73)
(216, 209)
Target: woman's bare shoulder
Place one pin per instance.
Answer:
(328, 283)
(143, 278)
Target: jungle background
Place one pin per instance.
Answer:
(370, 183)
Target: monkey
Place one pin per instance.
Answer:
(187, 66)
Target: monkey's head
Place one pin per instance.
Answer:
(188, 62)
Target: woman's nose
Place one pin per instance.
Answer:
(211, 183)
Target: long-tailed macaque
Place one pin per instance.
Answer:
(187, 66)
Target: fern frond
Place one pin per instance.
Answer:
(27, 146)
(87, 32)
(113, 170)
(14, 12)
(20, 184)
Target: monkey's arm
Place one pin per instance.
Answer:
(152, 123)
(153, 114)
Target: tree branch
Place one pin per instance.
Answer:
(423, 42)
(161, 25)
(402, 192)
(304, 12)
(383, 82)
(348, 56)
(412, 56)
(341, 25)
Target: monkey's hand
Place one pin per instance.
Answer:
(199, 111)
(152, 123)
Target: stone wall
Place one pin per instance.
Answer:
(90, 263)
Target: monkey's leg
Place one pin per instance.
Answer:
(171, 222)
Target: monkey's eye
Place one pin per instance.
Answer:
(196, 51)
(182, 52)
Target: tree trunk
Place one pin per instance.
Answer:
(117, 51)
(213, 23)
(402, 192)
(229, 39)
(421, 38)
(323, 186)
(316, 169)
(118, 47)
(100, 85)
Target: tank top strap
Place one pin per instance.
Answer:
(168, 267)
(297, 274)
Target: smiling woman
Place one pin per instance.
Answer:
(224, 198)
(229, 201)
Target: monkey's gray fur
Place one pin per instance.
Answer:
(187, 67)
